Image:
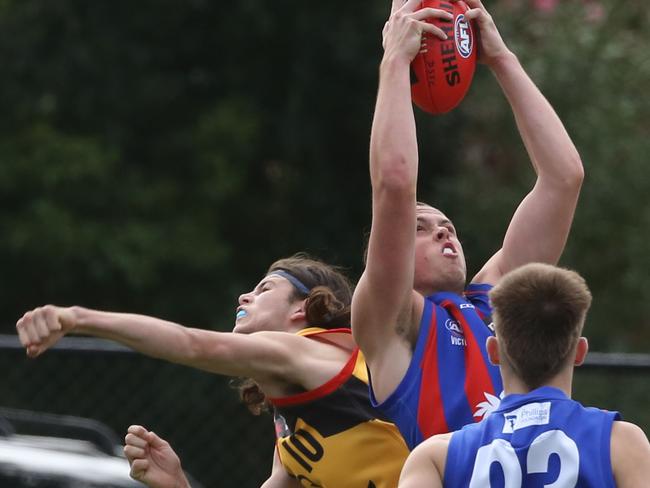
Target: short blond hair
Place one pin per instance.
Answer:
(539, 311)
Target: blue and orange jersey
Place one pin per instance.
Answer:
(450, 381)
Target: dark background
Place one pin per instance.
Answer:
(157, 156)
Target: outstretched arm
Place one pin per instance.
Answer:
(261, 355)
(152, 460)
(383, 300)
(540, 226)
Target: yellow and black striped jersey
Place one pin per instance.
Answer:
(332, 437)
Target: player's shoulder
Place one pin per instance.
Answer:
(435, 444)
(434, 449)
(312, 338)
(441, 439)
(286, 344)
(628, 444)
(630, 454)
(627, 435)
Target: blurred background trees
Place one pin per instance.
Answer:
(157, 156)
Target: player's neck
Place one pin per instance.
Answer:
(513, 385)
(427, 291)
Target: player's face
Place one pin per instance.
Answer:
(439, 258)
(267, 307)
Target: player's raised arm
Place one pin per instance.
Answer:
(259, 355)
(540, 226)
(383, 300)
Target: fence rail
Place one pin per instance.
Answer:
(89, 344)
(609, 360)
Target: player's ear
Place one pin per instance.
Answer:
(492, 346)
(298, 312)
(581, 351)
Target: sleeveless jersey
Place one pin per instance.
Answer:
(450, 381)
(542, 438)
(332, 437)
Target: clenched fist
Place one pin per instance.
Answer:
(41, 328)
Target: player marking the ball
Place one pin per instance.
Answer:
(421, 327)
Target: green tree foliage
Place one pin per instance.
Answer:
(589, 60)
(159, 156)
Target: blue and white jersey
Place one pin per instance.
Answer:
(540, 439)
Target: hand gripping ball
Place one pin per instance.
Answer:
(442, 73)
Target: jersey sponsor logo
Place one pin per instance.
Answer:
(457, 336)
(511, 420)
(530, 414)
(454, 327)
(466, 305)
(458, 341)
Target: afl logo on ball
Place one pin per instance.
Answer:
(463, 35)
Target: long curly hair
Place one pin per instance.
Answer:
(327, 305)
